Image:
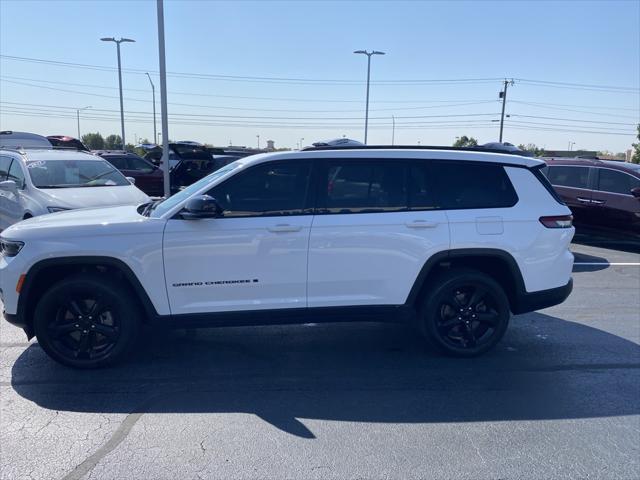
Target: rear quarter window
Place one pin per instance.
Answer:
(471, 185)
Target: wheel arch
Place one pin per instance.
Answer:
(498, 264)
(46, 272)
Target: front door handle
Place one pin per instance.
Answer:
(583, 200)
(284, 227)
(421, 224)
(598, 202)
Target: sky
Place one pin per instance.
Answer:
(244, 72)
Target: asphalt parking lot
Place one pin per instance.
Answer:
(558, 398)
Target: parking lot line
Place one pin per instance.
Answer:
(624, 264)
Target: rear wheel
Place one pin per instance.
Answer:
(87, 321)
(466, 313)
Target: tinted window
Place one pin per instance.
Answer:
(363, 187)
(5, 162)
(268, 189)
(616, 182)
(577, 177)
(420, 191)
(119, 162)
(136, 163)
(16, 174)
(471, 185)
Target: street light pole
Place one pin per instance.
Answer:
(163, 100)
(153, 93)
(366, 114)
(118, 42)
(301, 140)
(258, 137)
(78, 114)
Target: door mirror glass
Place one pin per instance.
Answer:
(635, 192)
(201, 206)
(9, 186)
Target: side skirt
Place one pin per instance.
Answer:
(287, 316)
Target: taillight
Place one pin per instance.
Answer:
(560, 221)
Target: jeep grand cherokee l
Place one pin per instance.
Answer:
(451, 241)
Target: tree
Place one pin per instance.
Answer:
(465, 141)
(113, 142)
(93, 141)
(635, 158)
(531, 147)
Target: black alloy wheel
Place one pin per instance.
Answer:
(84, 328)
(87, 321)
(467, 314)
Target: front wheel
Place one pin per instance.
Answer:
(86, 321)
(466, 314)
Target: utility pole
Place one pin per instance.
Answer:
(153, 93)
(503, 96)
(393, 130)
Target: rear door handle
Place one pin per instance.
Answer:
(583, 200)
(421, 224)
(283, 227)
(598, 202)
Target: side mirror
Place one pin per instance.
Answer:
(9, 186)
(132, 180)
(634, 191)
(202, 206)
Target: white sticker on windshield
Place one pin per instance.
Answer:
(38, 164)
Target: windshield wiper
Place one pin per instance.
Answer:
(57, 186)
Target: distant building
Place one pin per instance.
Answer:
(570, 153)
(627, 155)
(271, 145)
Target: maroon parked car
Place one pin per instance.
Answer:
(600, 193)
(149, 178)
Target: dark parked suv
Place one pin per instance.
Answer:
(149, 178)
(600, 193)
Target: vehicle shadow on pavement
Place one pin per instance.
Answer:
(545, 368)
(606, 239)
(580, 258)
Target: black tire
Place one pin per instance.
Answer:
(465, 314)
(87, 321)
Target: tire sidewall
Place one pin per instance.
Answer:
(122, 306)
(429, 314)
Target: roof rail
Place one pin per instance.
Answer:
(413, 147)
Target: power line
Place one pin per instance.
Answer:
(245, 78)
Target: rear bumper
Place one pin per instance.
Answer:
(529, 302)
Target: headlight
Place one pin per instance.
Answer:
(56, 209)
(10, 248)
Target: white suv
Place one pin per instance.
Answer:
(43, 180)
(450, 240)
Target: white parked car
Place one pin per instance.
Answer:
(38, 181)
(449, 240)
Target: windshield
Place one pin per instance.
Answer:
(166, 205)
(74, 173)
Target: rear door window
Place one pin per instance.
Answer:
(568, 176)
(470, 185)
(362, 187)
(616, 182)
